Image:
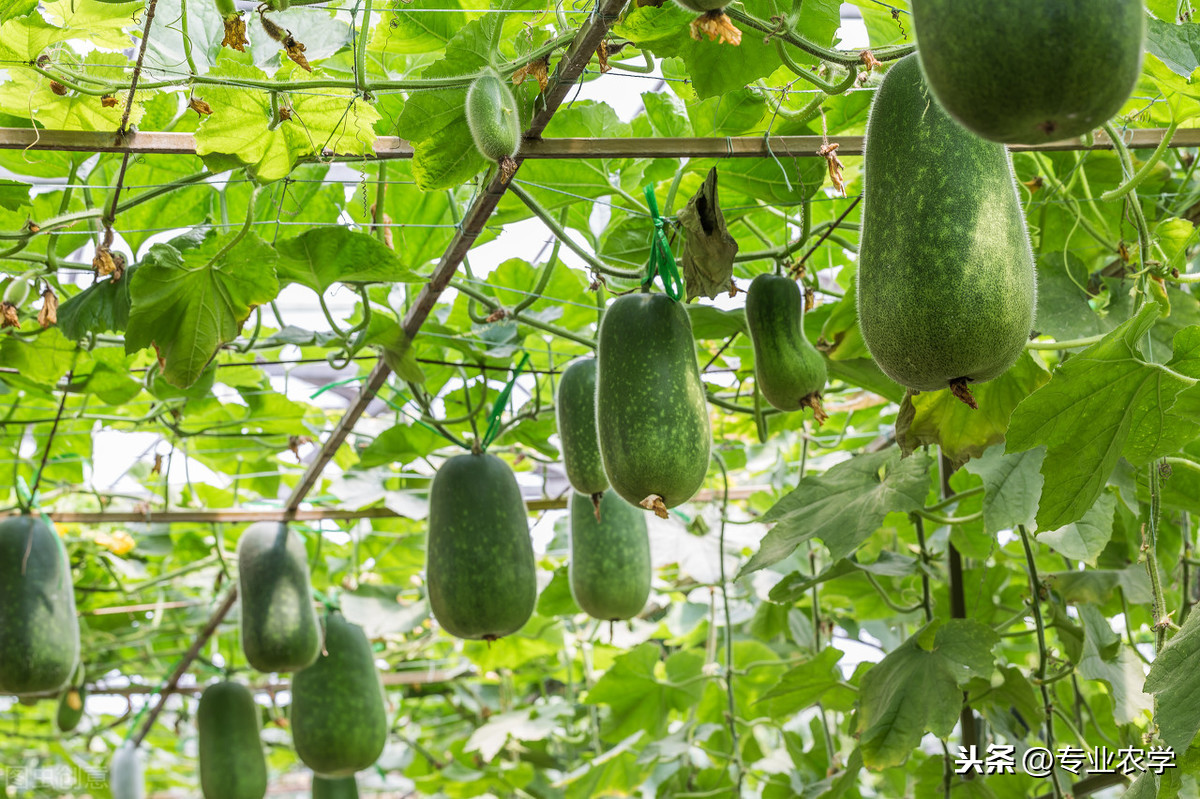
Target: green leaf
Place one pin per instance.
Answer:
(1107, 659)
(940, 418)
(1097, 586)
(638, 697)
(1172, 681)
(14, 195)
(186, 305)
(843, 506)
(399, 444)
(1176, 45)
(436, 121)
(241, 123)
(320, 257)
(102, 307)
(1011, 487)
(1086, 538)
(806, 684)
(1103, 403)
(916, 688)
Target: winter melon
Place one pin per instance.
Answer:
(576, 410)
(651, 409)
(609, 568)
(1030, 71)
(480, 571)
(788, 369)
(232, 765)
(493, 117)
(39, 632)
(280, 630)
(946, 287)
(339, 721)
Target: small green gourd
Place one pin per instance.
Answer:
(493, 117)
(788, 369)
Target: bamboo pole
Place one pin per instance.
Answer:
(537, 148)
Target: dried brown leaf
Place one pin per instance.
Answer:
(200, 107)
(235, 34)
(103, 262)
(58, 88)
(48, 315)
(108, 101)
(8, 316)
(295, 51)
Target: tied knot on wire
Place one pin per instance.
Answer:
(662, 259)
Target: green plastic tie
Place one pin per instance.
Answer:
(493, 428)
(330, 600)
(662, 260)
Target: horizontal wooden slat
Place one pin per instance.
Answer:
(391, 147)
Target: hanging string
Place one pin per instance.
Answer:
(662, 260)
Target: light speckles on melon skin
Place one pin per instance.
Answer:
(1030, 71)
(576, 409)
(651, 410)
(39, 631)
(232, 765)
(480, 570)
(946, 283)
(338, 718)
(280, 630)
(610, 565)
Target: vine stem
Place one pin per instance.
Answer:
(1162, 620)
(493, 304)
(736, 756)
(241, 234)
(1035, 587)
(844, 57)
(1069, 344)
(1136, 179)
(360, 51)
(560, 233)
(958, 604)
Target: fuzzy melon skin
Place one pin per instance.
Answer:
(232, 765)
(1030, 71)
(480, 571)
(340, 788)
(280, 630)
(651, 410)
(609, 568)
(339, 721)
(126, 773)
(576, 409)
(493, 117)
(39, 631)
(946, 283)
(787, 367)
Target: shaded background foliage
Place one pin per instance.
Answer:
(811, 660)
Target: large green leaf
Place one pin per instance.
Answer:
(940, 418)
(843, 506)
(1105, 402)
(639, 697)
(244, 127)
(917, 689)
(320, 257)
(1173, 682)
(187, 304)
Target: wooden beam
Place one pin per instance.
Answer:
(565, 76)
(537, 148)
